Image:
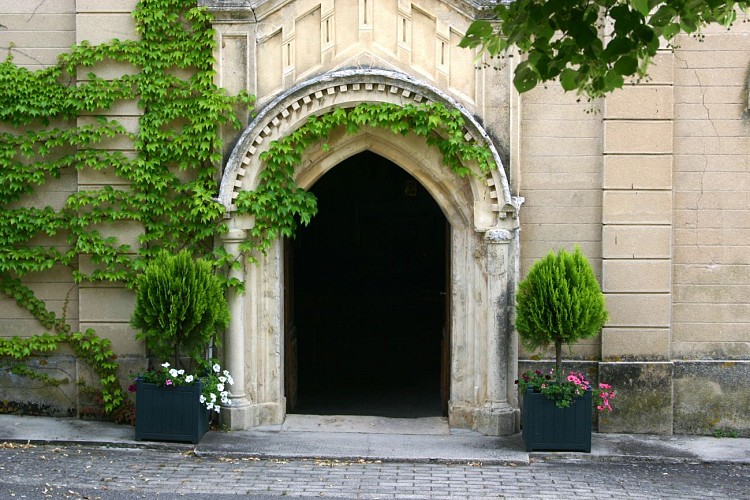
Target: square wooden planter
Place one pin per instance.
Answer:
(169, 413)
(547, 427)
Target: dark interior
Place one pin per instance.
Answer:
(369, 295)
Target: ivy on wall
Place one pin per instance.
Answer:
(278, 204)
(161, 177)
(58, 123)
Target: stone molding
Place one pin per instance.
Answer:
(483, 248)
(348, 88)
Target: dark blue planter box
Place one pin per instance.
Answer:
(169, 413)
(547, 427)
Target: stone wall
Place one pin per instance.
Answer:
(711, 234)
(35, 32)
(652, 182)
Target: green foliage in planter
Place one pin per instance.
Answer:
(180, 306)
(559, 302)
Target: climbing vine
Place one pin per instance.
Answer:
(278, 204)
(160, 178)
(61, 123)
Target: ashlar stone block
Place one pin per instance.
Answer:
(101, 28)
(711, 396)
(644, 397)
(637, 242)
(640, 102)
(99, 304)
(630, 344)
(639, 309)
(637, 207)
(637, 172)
(638, 136)
(630, 275)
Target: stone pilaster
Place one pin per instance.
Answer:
(497, 417)
(236, 415)
(637, 250)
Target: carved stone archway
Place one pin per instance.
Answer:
(483, 250)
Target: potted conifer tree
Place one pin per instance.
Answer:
(180, 309)
(559, 302)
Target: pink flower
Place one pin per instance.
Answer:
(574, 379)
(605, 386)
(168, 382)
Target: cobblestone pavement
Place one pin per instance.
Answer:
(89, 472)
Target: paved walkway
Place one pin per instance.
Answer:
(357, 457)
(371, 438)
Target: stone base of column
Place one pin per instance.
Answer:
(243, 414)
(497, 419)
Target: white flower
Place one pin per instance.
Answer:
(173, 372)
(217, 368)
(219, 387)
(203, 399)
(165, 365)
(217, 409)
(213, 397)
(222, 380)
(189, 379)
(210, 406)
(226, 373)
(181, 372)
(230, 380)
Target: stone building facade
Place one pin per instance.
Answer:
(652, 182)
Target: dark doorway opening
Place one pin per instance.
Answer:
(366, 297)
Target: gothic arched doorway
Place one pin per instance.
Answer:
(366, 297)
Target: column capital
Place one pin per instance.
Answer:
(234, 235)
(498, 236)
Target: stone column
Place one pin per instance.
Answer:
(637, 251)
(497, 417)
(234, 344)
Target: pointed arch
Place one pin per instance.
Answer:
(492, 201)
(483, 247)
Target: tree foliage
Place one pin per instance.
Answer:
(590, 46)
(179, 306)
(559, 302)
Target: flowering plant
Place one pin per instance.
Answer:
(214, 393)
(566, 388)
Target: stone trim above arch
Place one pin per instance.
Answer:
(345, 89)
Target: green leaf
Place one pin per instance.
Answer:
(569, 79)
(641, 6)
(618, 46)
(525, 78)
(478, 32)
(626, 65)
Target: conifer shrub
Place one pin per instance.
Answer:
(180, 307)
(559, 302)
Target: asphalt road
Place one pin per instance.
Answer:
(75, 472)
